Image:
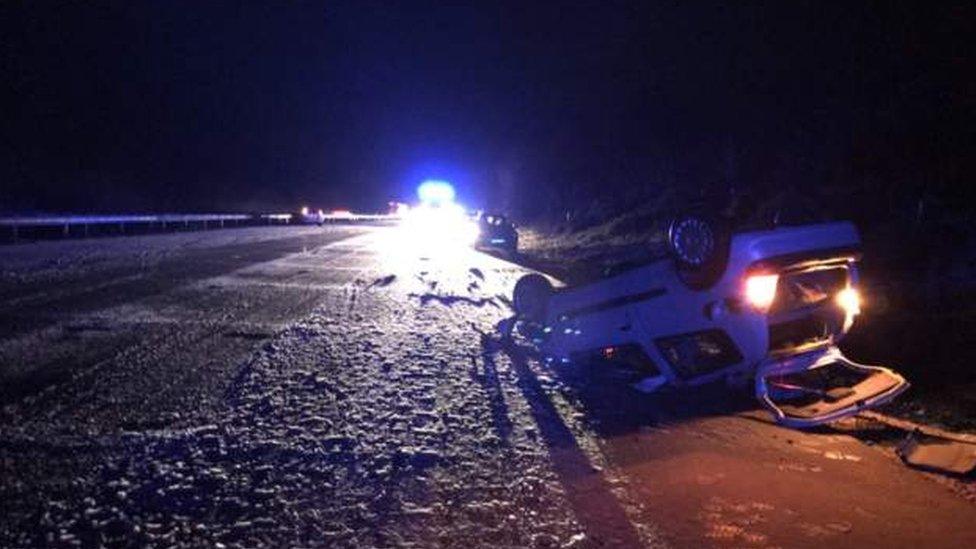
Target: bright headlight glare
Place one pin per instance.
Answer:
(760, 290)
(446, 224)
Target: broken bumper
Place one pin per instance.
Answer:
(822, 386)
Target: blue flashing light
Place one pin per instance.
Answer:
(434, 191)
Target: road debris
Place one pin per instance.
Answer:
(938, 454)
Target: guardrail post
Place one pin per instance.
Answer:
(86, 230)
(66, 233)
(15, 233)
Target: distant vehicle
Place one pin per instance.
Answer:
(308, 216)
(771, 304)
(496, 232)
(397, 209)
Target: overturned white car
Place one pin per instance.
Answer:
(770, 304)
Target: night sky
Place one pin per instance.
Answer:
(189, 106)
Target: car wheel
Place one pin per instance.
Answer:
(700, 249)
(531, 297)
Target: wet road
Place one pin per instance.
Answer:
(340, 387)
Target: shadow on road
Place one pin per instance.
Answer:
(615, 408)
(606, 395)
(588, 492)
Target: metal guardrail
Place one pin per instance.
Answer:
(278, 217)
(85, 223)
(343, 217)
(26, 221)
(67, 225)
(360, 217)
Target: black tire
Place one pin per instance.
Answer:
(703, 266)
(531, 297)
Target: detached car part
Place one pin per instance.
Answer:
(772, 304)
(938, 454)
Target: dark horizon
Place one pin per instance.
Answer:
(186, 107)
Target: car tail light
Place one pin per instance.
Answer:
(760, 290)
(849, 300)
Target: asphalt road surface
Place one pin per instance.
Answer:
(301, 386)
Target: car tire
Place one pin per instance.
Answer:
(531, 297)
(699, 246)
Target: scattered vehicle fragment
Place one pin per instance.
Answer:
(938, 454)
(772, 304)
(496, 232)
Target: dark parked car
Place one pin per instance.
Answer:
(496, 232)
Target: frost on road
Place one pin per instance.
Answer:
(341, 387)
(372, 410)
